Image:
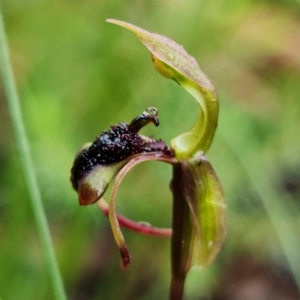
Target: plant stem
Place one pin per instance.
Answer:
(28, 169)
(177, 288)
(181, 242)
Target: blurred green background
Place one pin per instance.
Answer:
(77, 75)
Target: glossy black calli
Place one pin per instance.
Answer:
(117, 144)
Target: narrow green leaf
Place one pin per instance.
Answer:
(26, 162)
(172, 61)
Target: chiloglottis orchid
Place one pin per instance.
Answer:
(199, 212)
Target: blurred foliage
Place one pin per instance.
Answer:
(77, 75)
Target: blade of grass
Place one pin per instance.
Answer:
(27, 164)
(277, 211)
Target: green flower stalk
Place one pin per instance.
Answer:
(198, 220)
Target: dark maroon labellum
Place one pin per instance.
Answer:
(116, 144)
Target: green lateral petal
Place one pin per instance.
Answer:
(204, 221)
(113, 218)
(172, 61)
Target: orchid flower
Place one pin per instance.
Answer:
(198, 217)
